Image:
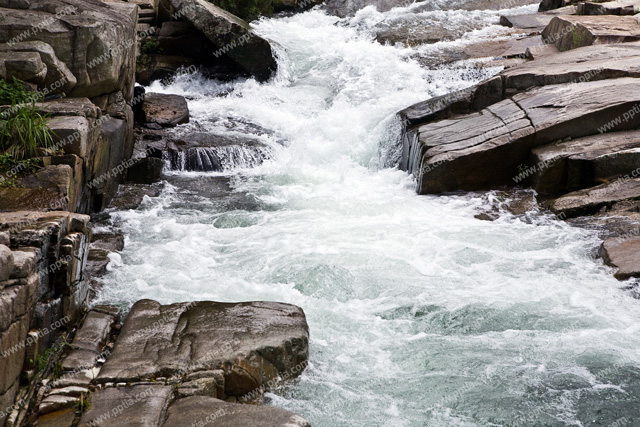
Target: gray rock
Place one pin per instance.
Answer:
(136, 406)
(584, 162)
(6, 263)
(622, 254)
(73, 391)
(26, 66)
(53, 403)
(483, 150)
(146, 171)
(254, 343)
(206, 410)
(571, 32)
(231, 34)
(165, 110)
(94, 40)
(608, 8)
(535, 22)
(24, 263)
(590, 63)
(588, 201)
(58, 77)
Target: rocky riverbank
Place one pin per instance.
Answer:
(564, 123)
(79, 61)
(563, 120)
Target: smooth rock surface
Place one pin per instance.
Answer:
(485, 149)
(608, 8)
(136, 406)
(209, 411)
(253, 343)
(623, 255)
(165, 110)
(588, 201)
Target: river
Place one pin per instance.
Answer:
(420, 314)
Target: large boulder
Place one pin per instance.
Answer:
(253, 344)
(571, 32)
(230, 35)
(97, 42)
(487, 149)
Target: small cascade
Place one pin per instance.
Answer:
(218, 156)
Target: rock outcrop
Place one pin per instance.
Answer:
(95, 41)
(246, 346)
(44, 290)
(231, 36)
(485, 149)
(165, 110)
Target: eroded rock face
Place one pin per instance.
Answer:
(230, 35)
(485, 149)
(95, 41)
(206, 410)
(253, 343)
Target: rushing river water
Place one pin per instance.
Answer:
(420, 314)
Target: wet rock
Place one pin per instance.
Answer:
(129, 196)
(485, 149)
(254, 343)
(135, 406)
(535, 22)
(623, 255)
(591, 200)
(215, 152)
(205, 410)
(146, 171)
(63, 418)
(608, 8)
(584, 162)
(94, 40)
(571, 32)
(230, 34)
(165, 110)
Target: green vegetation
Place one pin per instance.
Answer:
(149, 46)
(23, 129)
(17, 92)
(51, 358)
(10, 169)
(83, 404)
